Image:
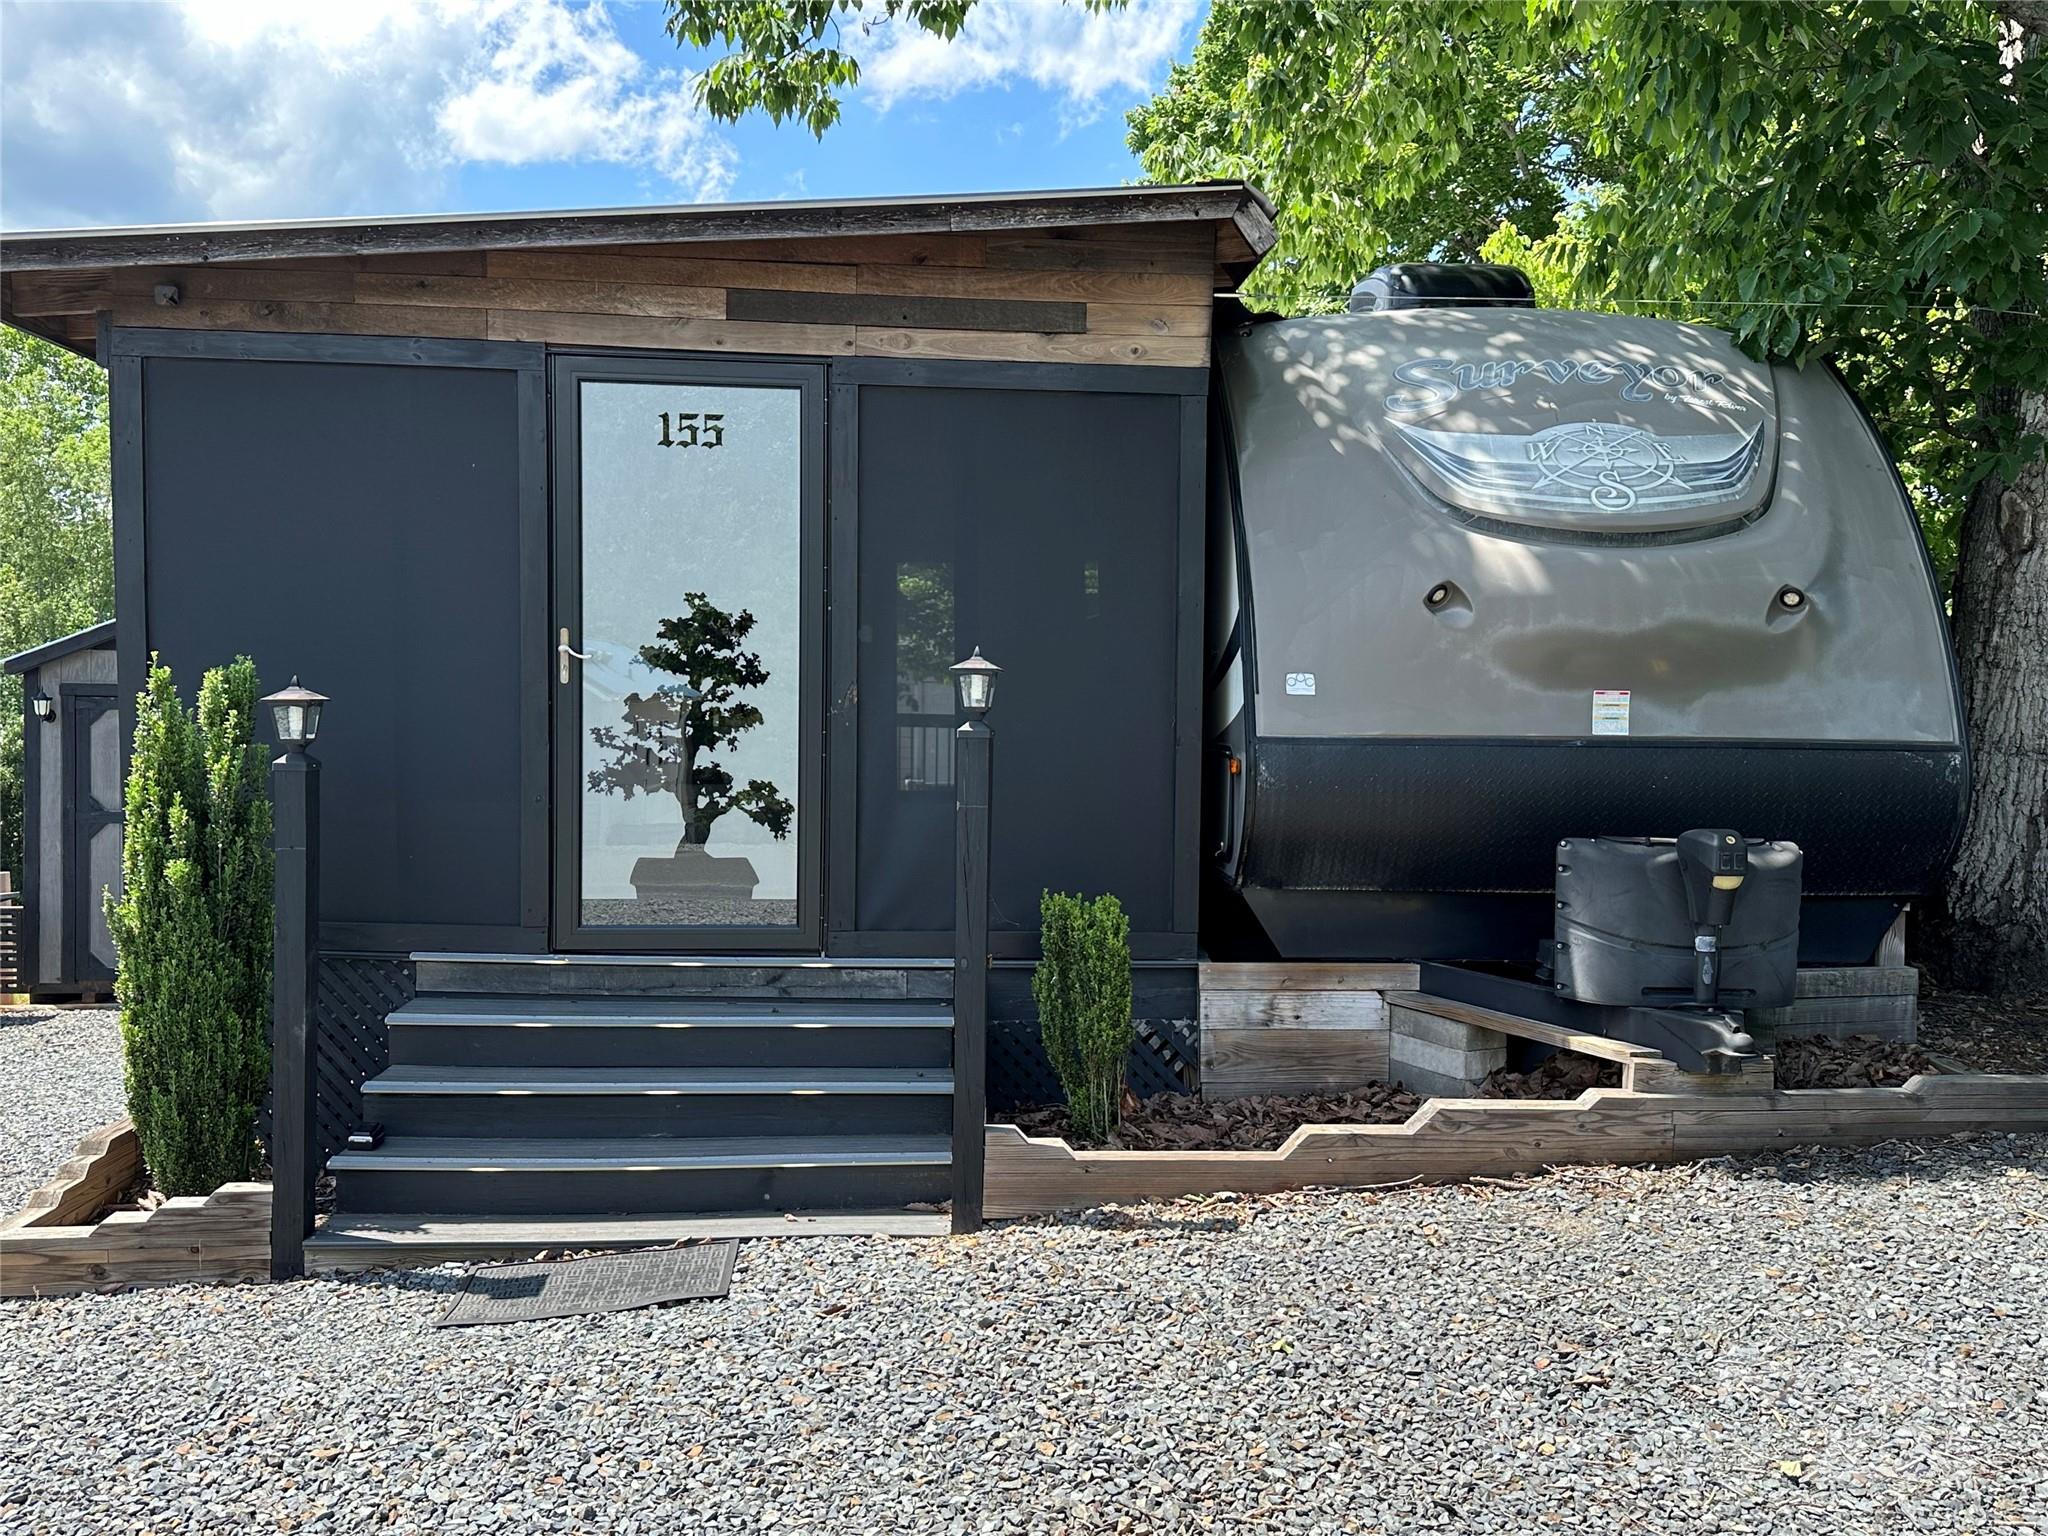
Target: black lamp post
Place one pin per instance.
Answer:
(295, 809)
(295, 712)
(973, 763)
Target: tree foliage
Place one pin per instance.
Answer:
(791, 58)
(193, 929)
(1082, 987)
(658, 747)
(56, 525)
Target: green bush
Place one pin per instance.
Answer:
(193, 928)
(1083, 989)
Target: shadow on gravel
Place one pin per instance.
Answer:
(13, 1018)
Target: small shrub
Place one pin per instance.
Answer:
(1083, 989)
(193, 929)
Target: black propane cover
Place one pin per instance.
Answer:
(1625, 937)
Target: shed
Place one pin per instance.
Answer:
(71, 810)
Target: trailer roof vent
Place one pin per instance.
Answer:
(1443, 285)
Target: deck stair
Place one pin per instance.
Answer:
(538, 1102)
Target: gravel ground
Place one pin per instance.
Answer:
(1826, 1342)
(60, 1077)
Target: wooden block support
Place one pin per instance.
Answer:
(1294, 1028)
(1881, 1001)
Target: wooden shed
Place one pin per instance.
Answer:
(71, 812)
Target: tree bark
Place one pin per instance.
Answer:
(1993, 933)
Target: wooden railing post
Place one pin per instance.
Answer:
(294, 1156)
(973, 754)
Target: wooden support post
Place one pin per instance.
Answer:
(295, 807)
(973, 754)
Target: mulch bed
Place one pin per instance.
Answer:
(1177, 1122)
(1991, 1034)
(1564, 1076)
(1180, 1122)
(1856, 1062)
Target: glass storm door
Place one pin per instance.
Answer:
(688, 611)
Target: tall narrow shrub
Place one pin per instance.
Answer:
(1083, 990)
(193, 929)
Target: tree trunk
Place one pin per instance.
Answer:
(1994, 929)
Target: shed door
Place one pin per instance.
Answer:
(689, 613)
(92, 816)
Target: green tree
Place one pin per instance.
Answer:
(657, 747)
(193, 929)
(1082, 987)
(56, 525)
(1862, 181)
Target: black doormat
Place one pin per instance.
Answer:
(605, 1282)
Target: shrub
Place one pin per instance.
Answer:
(1083, 989)
(193, 929)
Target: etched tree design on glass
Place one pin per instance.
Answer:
(661, 746)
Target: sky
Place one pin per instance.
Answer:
(175, 111)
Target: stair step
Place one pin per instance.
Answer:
(668, 975)
(631, 1175)
(697, 1102)
(672, 1012)
(676, 1081)
(581, 1154)
(350, 1242)
(581, 1032)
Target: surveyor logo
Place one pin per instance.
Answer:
(1604, 465)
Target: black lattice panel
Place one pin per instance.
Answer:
(1163, 1060)
(357, 993)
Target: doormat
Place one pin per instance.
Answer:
(605, 1282)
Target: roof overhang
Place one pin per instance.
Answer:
(93, 637)
(1235, 203)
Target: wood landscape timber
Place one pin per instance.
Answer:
(55, 1246)
(1454, 1139)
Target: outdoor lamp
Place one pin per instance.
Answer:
(297, 713)
(977, 678)
(44, 706)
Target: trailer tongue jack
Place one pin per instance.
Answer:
(1662, 942)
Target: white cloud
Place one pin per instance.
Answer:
(1057, 45)
(231, 109)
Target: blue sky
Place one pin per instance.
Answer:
(185, 110)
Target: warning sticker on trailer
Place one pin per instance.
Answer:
(1610, 711)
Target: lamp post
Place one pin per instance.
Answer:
(973, 755)
(295, 960)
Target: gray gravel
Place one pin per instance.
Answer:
(1828, 1343)
(60, 1077)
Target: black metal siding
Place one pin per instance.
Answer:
(362, 526)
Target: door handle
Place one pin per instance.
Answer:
(564, 654)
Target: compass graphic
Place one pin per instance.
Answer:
(1611, 463)
(1608, 466)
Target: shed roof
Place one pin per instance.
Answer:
(1236, 203)
(93, 637)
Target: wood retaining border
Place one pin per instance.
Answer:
(52, 1247)
(1452, 1139)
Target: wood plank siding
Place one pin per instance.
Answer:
(1116, 294)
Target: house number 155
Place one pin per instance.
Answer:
(693, 429)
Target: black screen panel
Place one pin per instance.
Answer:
(1043, 527)
(359, 525)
